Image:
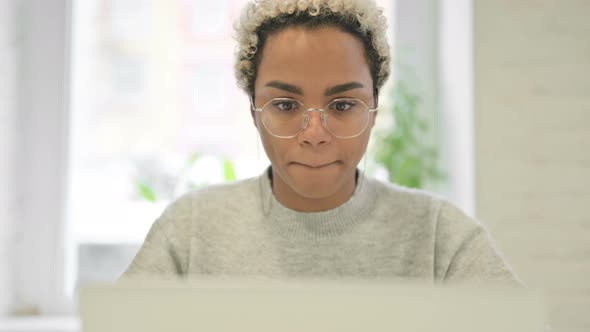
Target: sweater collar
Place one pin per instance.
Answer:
(296, 224)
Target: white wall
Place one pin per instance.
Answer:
(532, 126)
(8, 64)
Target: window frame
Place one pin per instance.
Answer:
(42, 162)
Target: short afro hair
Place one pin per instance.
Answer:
(261, 18)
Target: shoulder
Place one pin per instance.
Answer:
(226, 193)
(422, 208)
(214, 197)
(211, 199)
(402, 202)
(463, 248)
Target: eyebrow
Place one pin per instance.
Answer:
(286, 87)
(329, 91)
(342, 88)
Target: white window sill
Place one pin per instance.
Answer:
(40, 324)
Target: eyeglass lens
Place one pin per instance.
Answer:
(342, 117)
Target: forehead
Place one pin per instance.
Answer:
(322, 56)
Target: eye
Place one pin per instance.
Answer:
(343, 105)
(285, 105)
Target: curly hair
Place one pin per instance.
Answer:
(261, 18)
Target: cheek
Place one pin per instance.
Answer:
(356, 149)
(274, 147)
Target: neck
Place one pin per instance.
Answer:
(294, 201)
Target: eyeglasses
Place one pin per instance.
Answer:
(343, 117)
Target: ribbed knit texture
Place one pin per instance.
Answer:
(382, 231)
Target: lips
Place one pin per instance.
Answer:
(315, 164)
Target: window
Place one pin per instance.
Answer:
(153, 96)
(152, 92)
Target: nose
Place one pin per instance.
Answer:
(314, 133)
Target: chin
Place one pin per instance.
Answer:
(316, 184)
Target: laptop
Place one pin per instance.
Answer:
(295, 306)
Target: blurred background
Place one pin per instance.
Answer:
(109, 109)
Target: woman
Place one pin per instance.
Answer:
(313, 70)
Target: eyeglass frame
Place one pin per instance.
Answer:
(306, 116)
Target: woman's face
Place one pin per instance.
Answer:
(314, 170)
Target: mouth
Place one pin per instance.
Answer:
(316, 165)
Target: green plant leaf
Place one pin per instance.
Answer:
(146, 192)
(229, 172)
(400, 149)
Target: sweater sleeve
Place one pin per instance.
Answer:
(465, 252)
(156, 257)
(165, 250)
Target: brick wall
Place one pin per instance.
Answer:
(532, 127)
